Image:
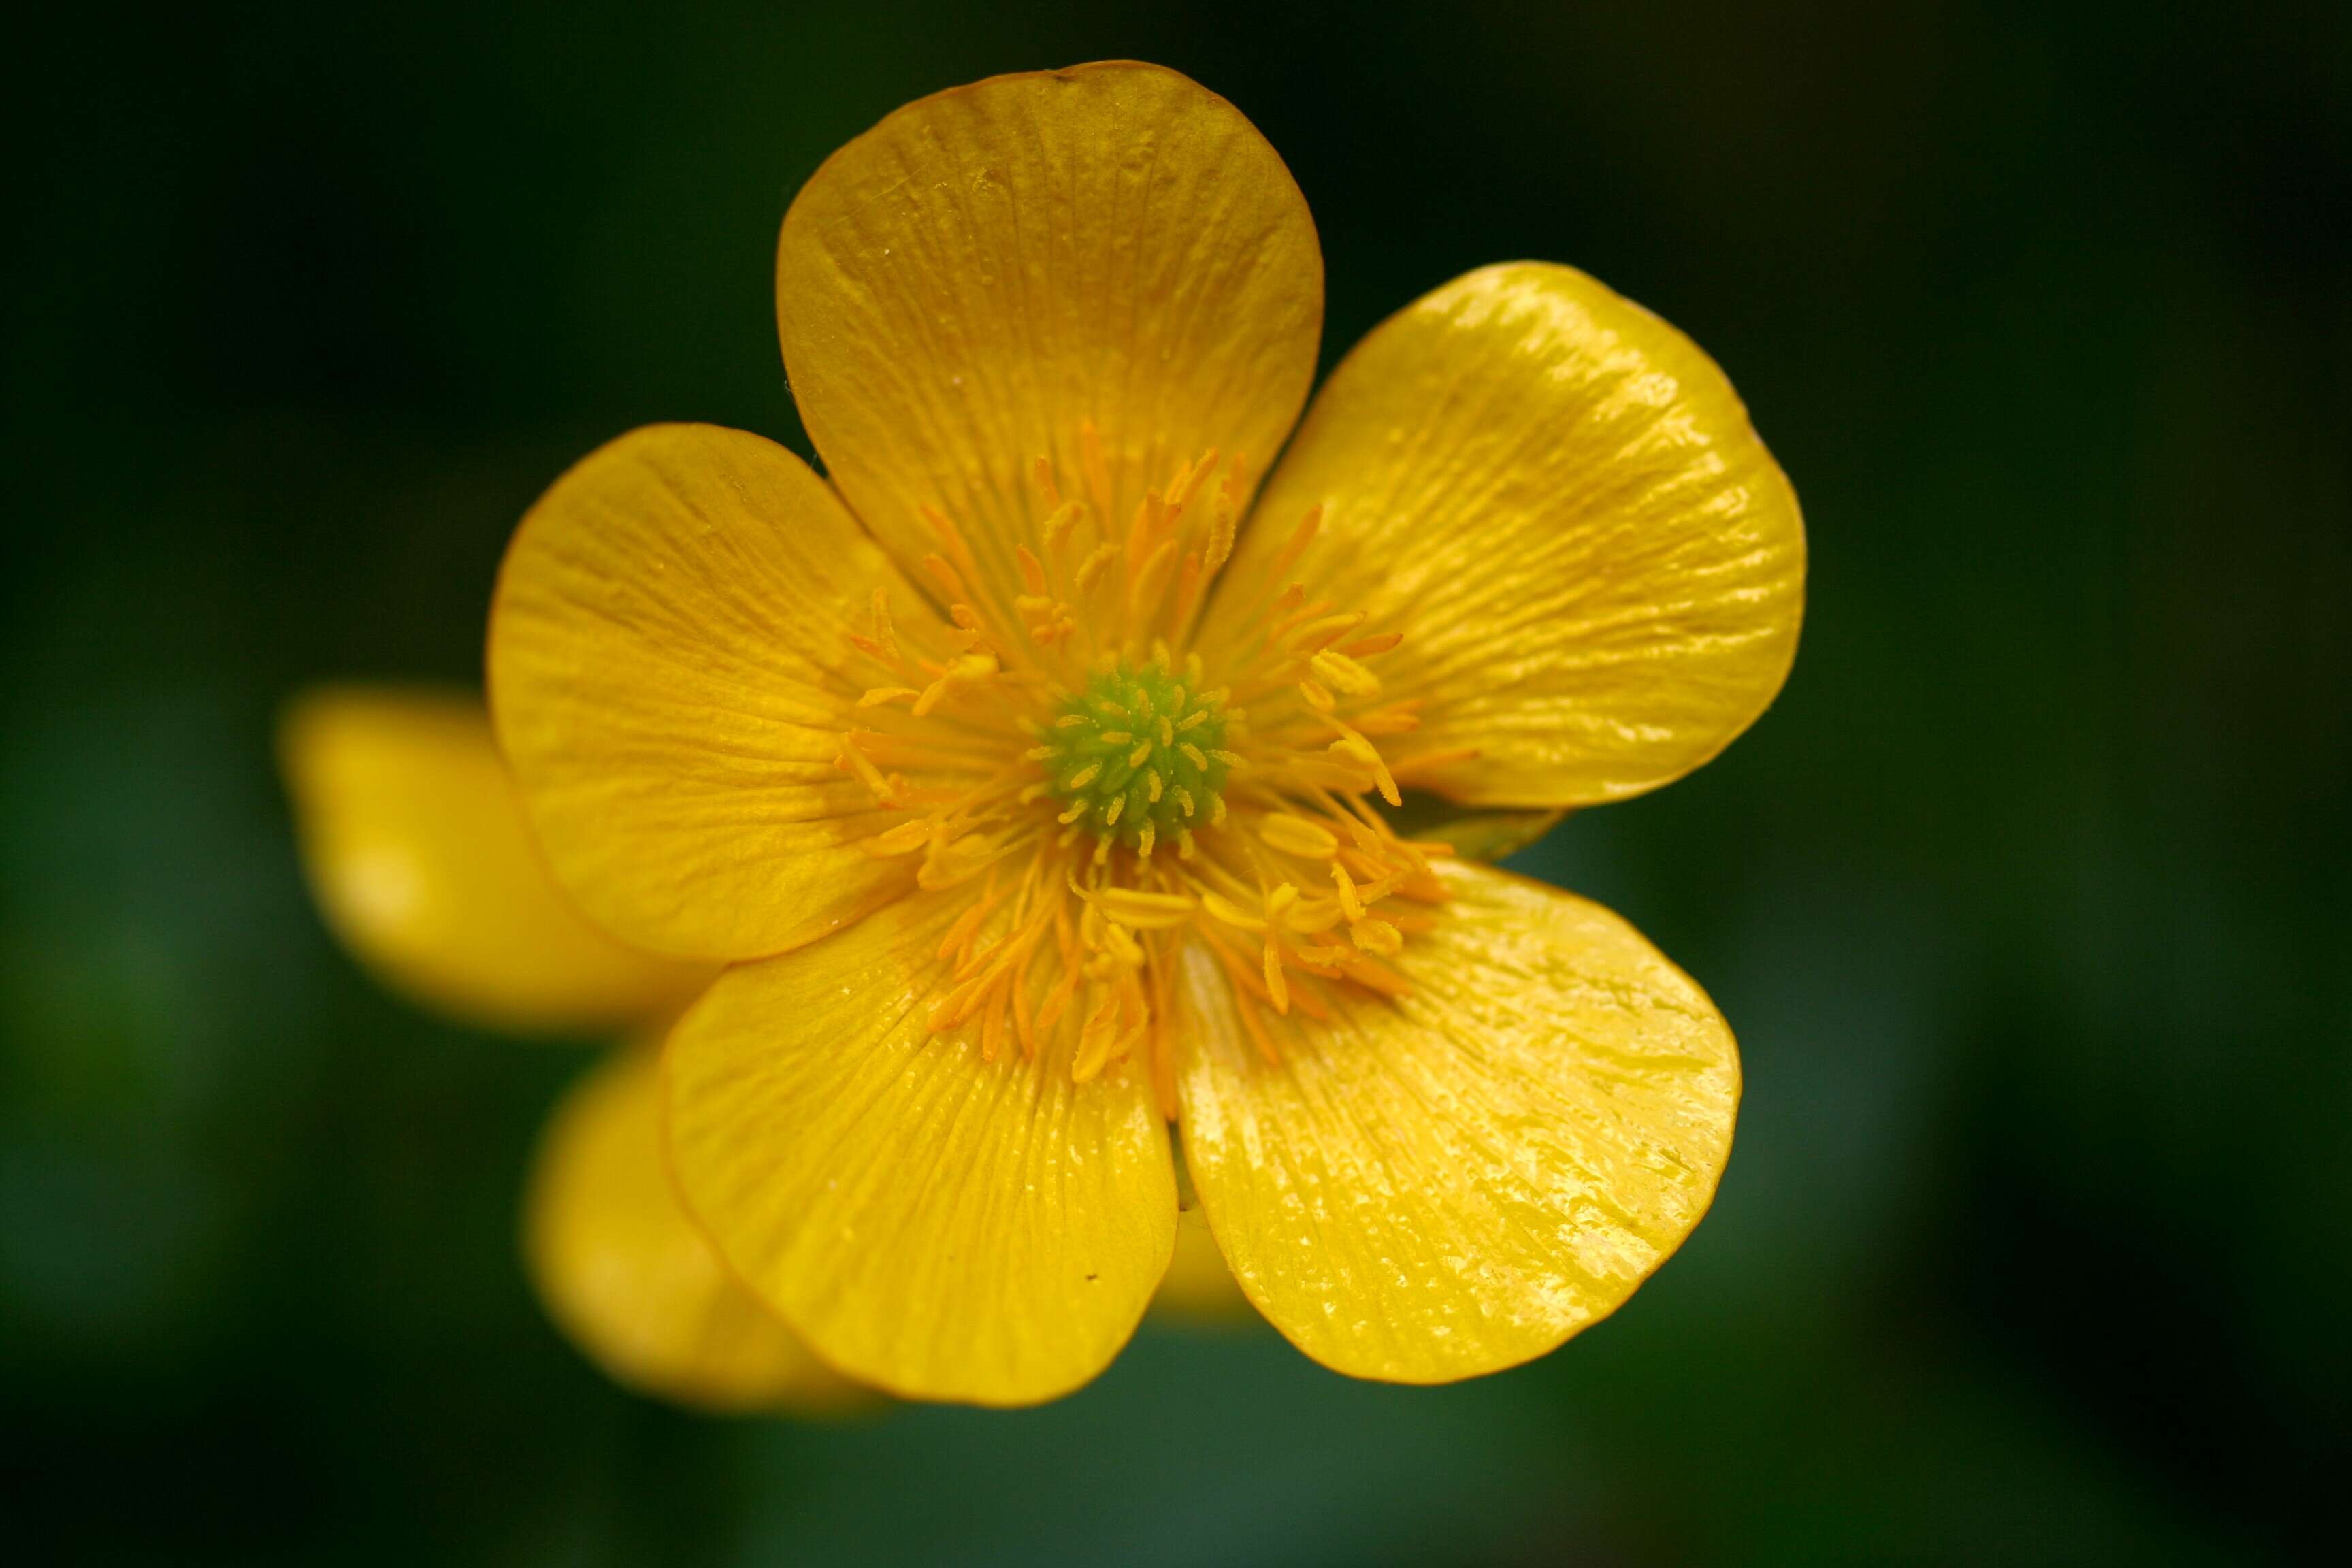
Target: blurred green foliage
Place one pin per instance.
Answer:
(2029, 900)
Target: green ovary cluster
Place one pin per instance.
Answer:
(1136, 756)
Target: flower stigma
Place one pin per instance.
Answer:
(1139, 755)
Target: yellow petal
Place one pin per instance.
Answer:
(1456, 1181)
(959, 289)
(671, 674)
(939, 1226)
(624, 1273)
(1598, 569)
(417, 851)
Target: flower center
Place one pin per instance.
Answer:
(1137, 755)
(1046, 741)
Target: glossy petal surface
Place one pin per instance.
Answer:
(670, 675)
(415, 847)
(627, 1275)
(1598, 568)
(940, 1226)
(959, 289)
(1456, 1182)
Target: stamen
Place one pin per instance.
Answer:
(1227, 911)
(851, 760)
(1146, 912)
(903, 839)
(946, 575)
(1058, 527)
(1349, 903)
(1343, 673)
(1296, 836)
(1364, 647)
(1090, 461)
(963, 671)
(1321, 632)
(1061, 735)
(1220, 532)
(1090, 571)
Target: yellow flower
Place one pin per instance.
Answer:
(1030, 773)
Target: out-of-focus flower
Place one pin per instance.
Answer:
(622, 1269)
(417, 854)
(417, 851)
(1030, 773)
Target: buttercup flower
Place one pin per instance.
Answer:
(1033, 773)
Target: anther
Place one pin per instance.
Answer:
(1337, 669)
(1296, 836)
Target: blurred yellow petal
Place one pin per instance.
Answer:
(1473, 833)
(625, 1274)
(963, 288)
(417, 851)
(1197, 1287)
(1598, 568)
(1456, 1181)
(935, 1224)
(671, 674)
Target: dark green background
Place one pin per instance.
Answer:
(2028, 899)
